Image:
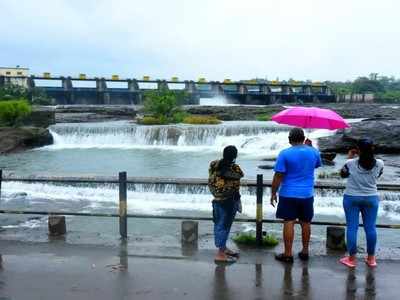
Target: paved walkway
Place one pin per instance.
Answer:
(57, 270)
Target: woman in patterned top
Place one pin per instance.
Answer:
(224, 184)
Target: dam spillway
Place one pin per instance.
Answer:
(91, 91)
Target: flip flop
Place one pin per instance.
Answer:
(348, 262)
(283, 258)
(227, 260)
(232, 254)
(370, 264)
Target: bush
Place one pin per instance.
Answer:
(13, 112)
(250, 240)
(163, 103)
(201, 120)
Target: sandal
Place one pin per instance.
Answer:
(304, 256)
(370, 262)
(232, 253)
(347, 261)
(227, 260)
(283, 258)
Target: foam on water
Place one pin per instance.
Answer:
(161, 199)
(251, 138)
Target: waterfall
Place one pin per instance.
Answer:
(248, 136)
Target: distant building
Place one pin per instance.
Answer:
(14, 73)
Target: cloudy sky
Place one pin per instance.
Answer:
(216, 39)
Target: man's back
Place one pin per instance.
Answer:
(298, 163)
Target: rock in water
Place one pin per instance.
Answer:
(19, 139)
(385, 133)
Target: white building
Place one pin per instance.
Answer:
(14, 74)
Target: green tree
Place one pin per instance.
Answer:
(163, 104)
(365, 85)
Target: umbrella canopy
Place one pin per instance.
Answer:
(310, 117)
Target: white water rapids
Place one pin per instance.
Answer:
(195, 146)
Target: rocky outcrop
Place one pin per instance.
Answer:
(94, 113)
(385, 133)
(236, 113)
(41, 116)
(24, 138)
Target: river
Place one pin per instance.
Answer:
(158, 151)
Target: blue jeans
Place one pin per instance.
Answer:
(224, 213)
(368, 206)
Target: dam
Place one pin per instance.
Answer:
(108, 91)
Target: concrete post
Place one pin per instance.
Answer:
(1, 179)
(162, 85)
(190, 232)
(216, 88)
(68, 90)
(190, 87)
(335, 238)
(133, 86)
(264, 89)
(123, 220)
(307, 90)
(101, 88)
(285, 89)
(259, 210)
(241, 89)
(57, 225)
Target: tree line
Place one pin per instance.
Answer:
(384, 88)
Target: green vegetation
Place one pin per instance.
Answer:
(165, 107)
(264, 117)
(250, 240)
(12, 112)
(12, 92)
(385, 89)
(192, 119)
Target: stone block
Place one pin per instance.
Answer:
(57, 225)
(336, 238)
(190, 232)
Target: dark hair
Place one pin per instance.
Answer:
(228, 157)
(296, 135)
(366, 159)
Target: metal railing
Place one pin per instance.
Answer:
(123, 182)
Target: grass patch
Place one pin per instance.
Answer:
(264, 117)
(249, 239)
(201, 120)
(150, 120)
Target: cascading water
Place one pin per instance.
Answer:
(249, 137)
(170, 151)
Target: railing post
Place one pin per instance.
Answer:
(259, 211)
(123, 222)
(1, 179)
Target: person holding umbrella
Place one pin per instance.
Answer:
(294, 173)
(294, 177)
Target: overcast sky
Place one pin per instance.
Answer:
(216, 39)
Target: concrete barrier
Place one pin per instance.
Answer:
(57, 225)
(190, 232)
(335, 238)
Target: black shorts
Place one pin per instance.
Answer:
(290, 209)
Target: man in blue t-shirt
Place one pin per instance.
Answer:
(294, 177)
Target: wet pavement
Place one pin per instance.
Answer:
(58, 270)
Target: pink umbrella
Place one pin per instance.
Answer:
(310, 117)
